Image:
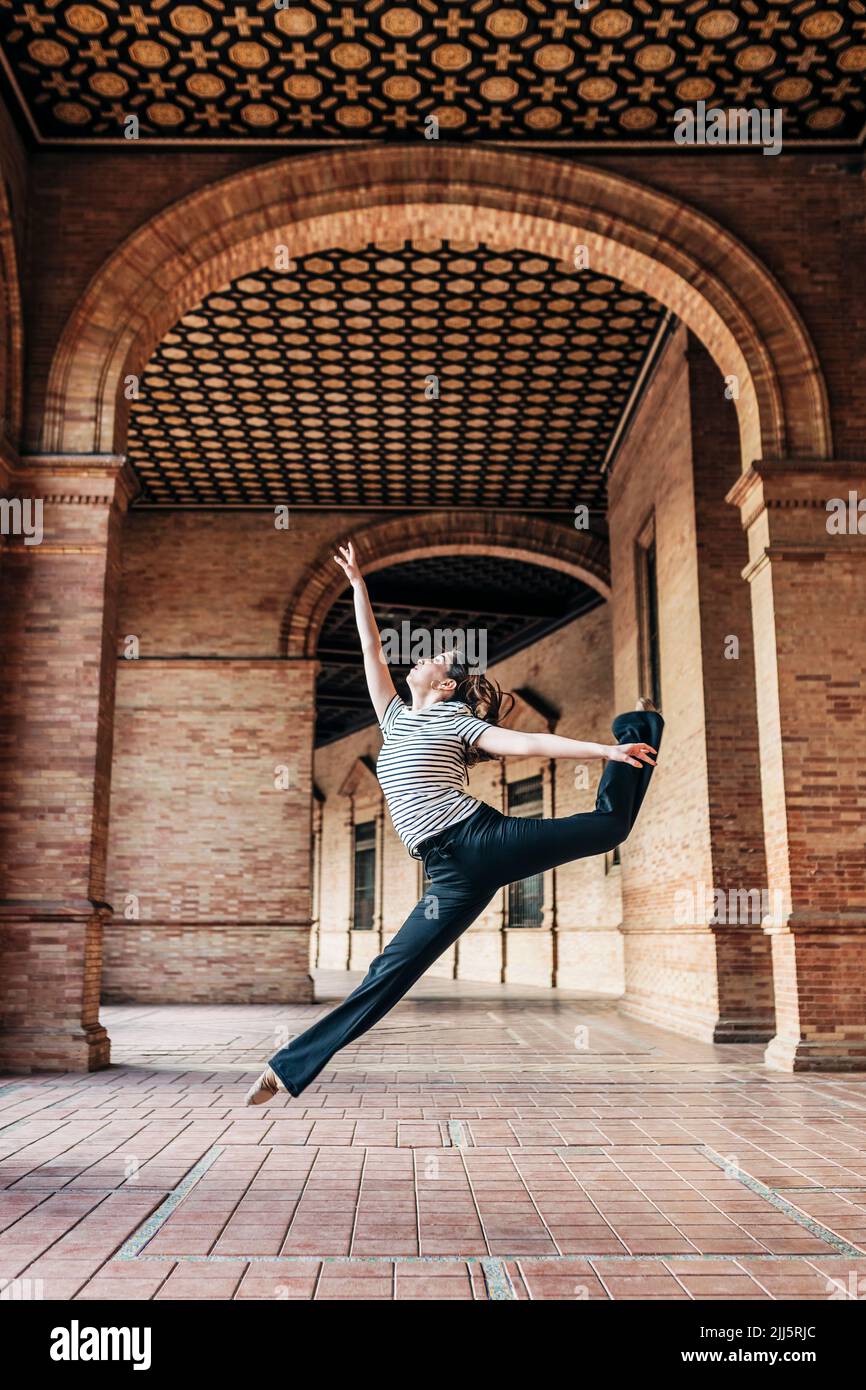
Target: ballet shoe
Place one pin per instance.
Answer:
(263, 1090)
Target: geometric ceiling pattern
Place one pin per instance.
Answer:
(324, 69)
(513, 603)
(317, 386)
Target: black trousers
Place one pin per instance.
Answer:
(467, 864)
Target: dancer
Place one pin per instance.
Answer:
(468, 848)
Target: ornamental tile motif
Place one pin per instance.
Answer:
(313, 387)
(320, 70)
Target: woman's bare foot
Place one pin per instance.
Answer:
(265, 1088)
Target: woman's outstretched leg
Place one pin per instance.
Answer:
(516, 847)
(635, 726)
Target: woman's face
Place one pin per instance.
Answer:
(431, 673)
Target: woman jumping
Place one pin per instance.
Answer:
(469, 849)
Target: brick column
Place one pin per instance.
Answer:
(808, 590)
(57, 687)
(744, 982)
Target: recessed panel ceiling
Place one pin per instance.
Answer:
(319, 387)
(325, 69)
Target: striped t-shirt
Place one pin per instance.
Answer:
(422, 767)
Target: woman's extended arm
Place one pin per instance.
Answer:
(509, 743)
(379, 682)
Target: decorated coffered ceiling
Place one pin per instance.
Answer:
(409, 374)
(288, 72)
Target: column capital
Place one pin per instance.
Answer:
(797, 483)
(76, 479)
(802, 510)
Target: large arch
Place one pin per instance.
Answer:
(402, 538)
(353, 197)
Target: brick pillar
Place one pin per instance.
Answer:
(57, 688)
(808, 591)
(744, 975)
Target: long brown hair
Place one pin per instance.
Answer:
(484, 696)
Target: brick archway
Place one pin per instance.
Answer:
(351, 198)
(414, 537)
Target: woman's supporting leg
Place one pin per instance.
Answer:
(449, 907)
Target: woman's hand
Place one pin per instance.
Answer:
(347, 562)
(632, 753)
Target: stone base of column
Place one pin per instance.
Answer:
(710, 1027)
(50, 964)
(799, 1054)
(819, 964)
(712, 983)
(53, 1049)
(744, 1030)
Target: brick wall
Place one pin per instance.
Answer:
(216, 583)
(653, 475)
(209, 869)
(205, 713)
(214, 587)
(701, 825)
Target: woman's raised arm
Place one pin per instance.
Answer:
(379, 682)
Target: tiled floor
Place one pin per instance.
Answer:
(486, 1142)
